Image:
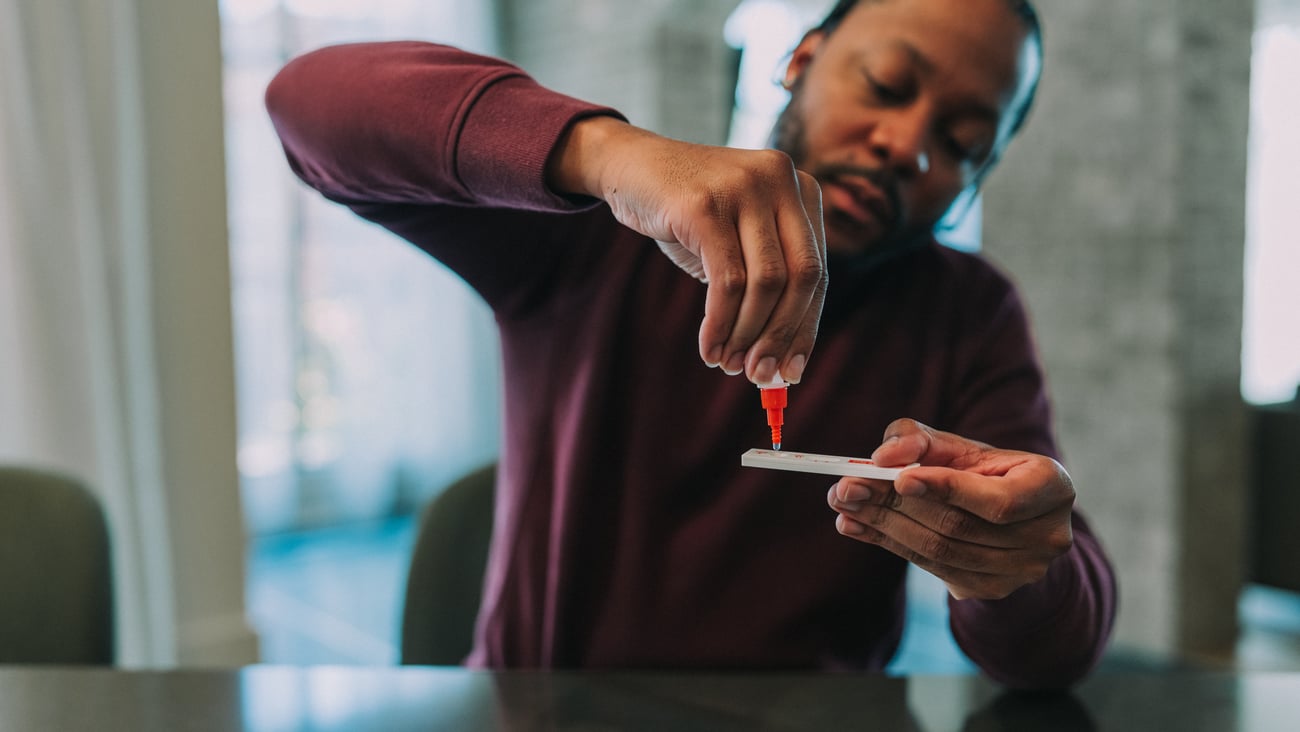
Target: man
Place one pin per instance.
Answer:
(626, 534)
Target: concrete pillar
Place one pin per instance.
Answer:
(1121, 212)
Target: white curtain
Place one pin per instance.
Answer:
(98, 295)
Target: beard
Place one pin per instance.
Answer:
(789, 135)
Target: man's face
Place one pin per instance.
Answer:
(898, 108)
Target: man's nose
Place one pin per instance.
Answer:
(900, 140)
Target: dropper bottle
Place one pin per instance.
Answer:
(774, 399)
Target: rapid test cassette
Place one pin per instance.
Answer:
(804, 462)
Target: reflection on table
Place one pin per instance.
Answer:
(411, 698)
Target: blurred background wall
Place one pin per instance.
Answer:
(1122, 214)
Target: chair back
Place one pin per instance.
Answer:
(445, 580)
(56, 584)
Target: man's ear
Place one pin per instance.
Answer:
(801, 56)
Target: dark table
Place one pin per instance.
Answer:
(412, 698)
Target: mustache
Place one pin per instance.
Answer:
(884, 181)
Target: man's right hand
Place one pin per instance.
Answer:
(746, 222)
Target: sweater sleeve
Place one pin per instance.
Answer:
(1051, 633)
(1048, 634)
(418, 123)
(446, 148)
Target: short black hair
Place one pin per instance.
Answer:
(1022, 8)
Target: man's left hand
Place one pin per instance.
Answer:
(985, 521)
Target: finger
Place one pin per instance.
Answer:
(908, 441)
(962, 583)
(798, 309)
(869, 503)
(859, 490)
(724, 266)
(913, 540)
(765, 282)
(685, 259)
(805, 333)
(1021, 494)
(810, 191)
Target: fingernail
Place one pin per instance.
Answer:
(765, 371)
(848, 526)
(714, 356)
(735, 364)
(849, 506)
(794, 369)
(855, 492)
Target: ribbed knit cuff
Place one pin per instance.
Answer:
(508, 136)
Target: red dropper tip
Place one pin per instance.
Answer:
(774, 401)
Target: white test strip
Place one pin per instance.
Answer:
(804, 462)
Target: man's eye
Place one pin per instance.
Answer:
(972, 152)
(958, 150)
(886, 93)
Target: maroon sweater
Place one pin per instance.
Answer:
(626, 532)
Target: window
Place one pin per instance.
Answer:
(367, 373)
(1271, 331)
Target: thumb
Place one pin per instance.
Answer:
(684, 258)
(908, 441)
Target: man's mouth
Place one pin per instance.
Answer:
(860, 200)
